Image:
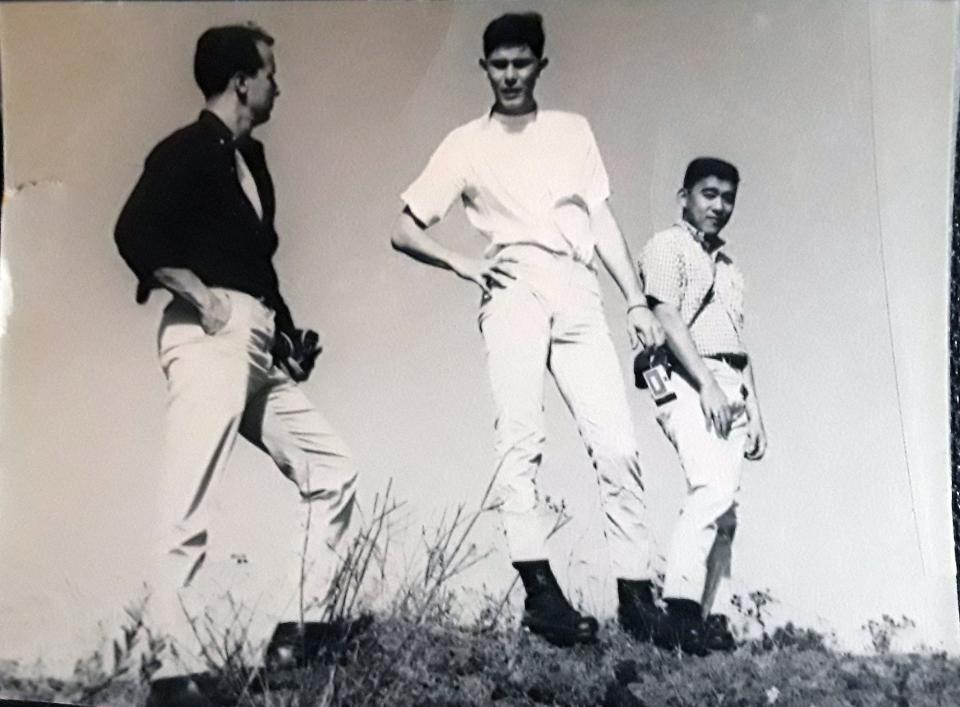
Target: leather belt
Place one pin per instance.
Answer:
(734, 360)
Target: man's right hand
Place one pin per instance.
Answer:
(644, 329)
(485, 273)
(215, 315)
(718, 411)
(214, 309)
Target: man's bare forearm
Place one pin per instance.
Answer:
(753, 403)
(183, 283)
(410, 239)
(615, 256)
(681, 344)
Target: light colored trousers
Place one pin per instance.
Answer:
(551, 319)
(219, 386)
(700, 549)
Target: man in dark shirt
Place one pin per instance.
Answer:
(199, 223)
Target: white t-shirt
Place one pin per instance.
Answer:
(531, 179)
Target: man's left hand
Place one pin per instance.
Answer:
(644, 329)
(756, 437)
(296, 352)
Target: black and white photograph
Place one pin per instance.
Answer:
(477, 353)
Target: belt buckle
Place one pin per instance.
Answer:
(736, 361)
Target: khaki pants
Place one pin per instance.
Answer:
(551, 319)
(219, 386)
(700, 549)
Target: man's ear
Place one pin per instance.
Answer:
(238, 82)
(483, 63)
(543, 64)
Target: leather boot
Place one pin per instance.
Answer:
(293, 645)
(719, 636)
(683, 628)
(638, 614)
(547, 612)
(178, 691)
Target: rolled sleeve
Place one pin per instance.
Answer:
(662, 269)
(432, 194)
(597, 180)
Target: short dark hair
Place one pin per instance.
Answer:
(704, 167)
(515, 30)
(225, 51)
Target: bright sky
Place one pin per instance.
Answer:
(838, 215)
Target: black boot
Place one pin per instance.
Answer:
(719, 636)
(682, 628)
(547, 612)
(638, 614)
(179, 691)
(294, 645)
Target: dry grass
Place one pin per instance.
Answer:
(417, 651)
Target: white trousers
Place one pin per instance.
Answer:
(219, 386)
(551, 319)
(700, 549)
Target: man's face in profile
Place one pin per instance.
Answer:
(262, 86)
(708, 204)
(513, 74)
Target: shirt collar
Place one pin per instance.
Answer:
(217, 127)
(512, 120)
(219, 130)
(711, 244)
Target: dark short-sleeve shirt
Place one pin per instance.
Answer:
(188, 210)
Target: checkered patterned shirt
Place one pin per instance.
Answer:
(678, 270)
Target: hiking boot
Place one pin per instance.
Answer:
(719, 636)
(178, 691)
(637, 613)
(682, 627)
(547, 612)
(294, 645)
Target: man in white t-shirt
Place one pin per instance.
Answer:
(533, 183)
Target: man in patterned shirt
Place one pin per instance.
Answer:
(697, 294)
(533, 183)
